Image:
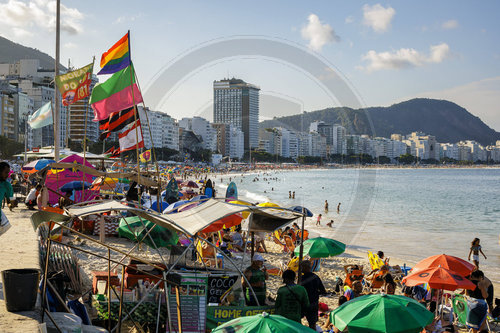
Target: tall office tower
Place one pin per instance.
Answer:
(237, 102)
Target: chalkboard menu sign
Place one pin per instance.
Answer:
(218, 285)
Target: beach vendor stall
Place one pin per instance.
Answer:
(171, 291)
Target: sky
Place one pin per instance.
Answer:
(385, 52)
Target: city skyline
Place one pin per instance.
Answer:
(387, 51)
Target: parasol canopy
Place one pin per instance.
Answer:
(299, 209)
(190, 183)
(320, 247)
(75, 186)
(133, 229)
(262, 323)
(381, 313)
(439, 278)
(451, 263)
(35, 166)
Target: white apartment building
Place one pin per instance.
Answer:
(236, 142)
(202, 127)
(164, 129)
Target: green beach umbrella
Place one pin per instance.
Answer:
(381, 313)
(162, 237)
(262, 323)
(321, 247)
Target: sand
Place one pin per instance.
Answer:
(19, 250)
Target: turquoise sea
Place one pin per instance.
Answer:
(407, 213)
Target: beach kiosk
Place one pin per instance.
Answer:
(179, 296)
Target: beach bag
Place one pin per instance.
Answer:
(4, 224)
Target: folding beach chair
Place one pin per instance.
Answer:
(277, 241)
(355, 275)
(290, 245)
(316, 265)
(375, 261)
(460, 309)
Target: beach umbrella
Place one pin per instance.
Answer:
(132, 228)
(200, 197)
(75, 186)
(34, 166)
(159, 206)
(451, 263)
(299, 210)
(189, 183)
(225, 222)
(245, 214)
(381, 313)
(172, 208)
(268, 204)
(438, 278)
(262, 323)
(320, 247)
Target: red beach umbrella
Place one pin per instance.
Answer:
(439, 278)
(451, 263)
(225, 222)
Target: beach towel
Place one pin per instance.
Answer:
(477, 312)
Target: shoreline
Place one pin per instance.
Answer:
(356, 249)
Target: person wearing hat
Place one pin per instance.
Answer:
(256, 277)
(292, 301)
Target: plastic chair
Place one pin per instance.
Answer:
(355, 275)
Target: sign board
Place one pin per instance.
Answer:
(36, 150)
(218, 285)
(218, 315)
(193, 303)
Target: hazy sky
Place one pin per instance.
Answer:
(386, 51)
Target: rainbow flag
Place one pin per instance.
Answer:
(118, 93)
(117, 57)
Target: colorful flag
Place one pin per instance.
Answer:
(115, 94)
(117, 57)
(75, 85)
(116, 122)
(146, 156)
(42, 117)
(129, 139)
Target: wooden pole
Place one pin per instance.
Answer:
(57, 114)
(45, 273)
(252, 235)
(301, 251)
(109, 289)
(178, 301)
(121, 300)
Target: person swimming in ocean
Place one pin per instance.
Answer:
(330, 224)
(326, 206)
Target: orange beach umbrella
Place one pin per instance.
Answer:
(439, 278)
(451, 263)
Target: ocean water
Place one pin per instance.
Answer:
(407, 213)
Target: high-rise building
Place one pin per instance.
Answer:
(78, 127)
(164, 129)
(237, 102)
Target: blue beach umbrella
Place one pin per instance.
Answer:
(298, 209)
(200, 197)
(172, 208)
(75, 186)
(162, 206)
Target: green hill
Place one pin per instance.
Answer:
(11, 52)
(447, 121)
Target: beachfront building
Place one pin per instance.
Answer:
(15, 106)
(449, 150)
(202, 127)
(494, 152)
(237, 102)
(477, 151)
(164, 129)
(236, 142)
(38, 84)
(81, 119)
(423, 146)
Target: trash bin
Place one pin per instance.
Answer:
(20, 288)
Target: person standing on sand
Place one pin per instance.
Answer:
(292, 300)
(314, 287)
(475, 249)
(293, 195)
(257, 279)
(326, 206)
(289, 194)
(338, 208)
(6, 193)
(318, 221)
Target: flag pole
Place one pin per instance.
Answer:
(56, 92)
(152, 143)
(135, 112)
